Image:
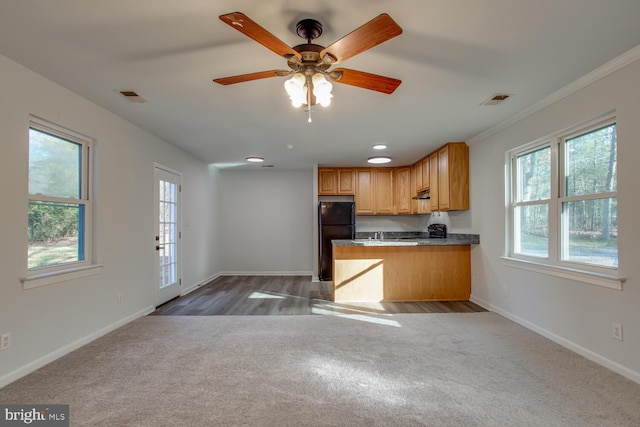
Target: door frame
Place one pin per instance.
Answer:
(160, 297)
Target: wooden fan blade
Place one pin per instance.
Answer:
(367, 80)
(251, 29)
(378, 30)
(248, 77)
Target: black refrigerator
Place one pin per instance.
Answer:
(336, 220)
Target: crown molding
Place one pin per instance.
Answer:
(615, 64)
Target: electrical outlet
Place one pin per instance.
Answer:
(5, 341)
(616, 330)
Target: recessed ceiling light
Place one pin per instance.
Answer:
(379, 147)
(379, 160)
(255, 159)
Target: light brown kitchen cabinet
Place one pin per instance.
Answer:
(443, 178)
(418, 168)
(447, 276)
(389, 191)
(364, 192)
(383, 191)
(403, 190)
(433, 181)
(425, 173)
(453, 177)
(414, 190)
(336, 182)
(418, 206)
(327, 182)
(346, 182)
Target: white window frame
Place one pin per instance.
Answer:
(553, 264)
(42, 276)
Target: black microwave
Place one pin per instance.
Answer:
(437, 231)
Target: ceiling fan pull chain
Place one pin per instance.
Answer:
(309, 98)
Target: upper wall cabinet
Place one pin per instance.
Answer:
(425, 173)
(364, 196)
(383, 191)
(419, 186)
(433, 182)
(336, 182)
(390, 191)
(452, 177)
(403, 190)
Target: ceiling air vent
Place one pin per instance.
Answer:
(498, 98)
(132, 96)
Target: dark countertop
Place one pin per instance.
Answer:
(452, 239)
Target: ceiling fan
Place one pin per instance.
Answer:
(310, 60)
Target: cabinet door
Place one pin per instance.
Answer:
(433, 181)
(403, 193)
(346, 182)
(443, 178)
(414, 191)
(364, 192)
(327, 182)
(419, 176)
(425, 173)
(458, 173)
(383, 191)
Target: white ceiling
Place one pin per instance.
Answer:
(452, 56)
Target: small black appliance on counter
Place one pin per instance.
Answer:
(437, 231)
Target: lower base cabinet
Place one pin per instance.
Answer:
(401, 273)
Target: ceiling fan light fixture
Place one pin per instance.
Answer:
(378, 160)
(322, 89)
(296, 89)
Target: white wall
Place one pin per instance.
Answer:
(391, 223)
(456, 222)
(46, 322)
(575, 314)
(267, 218)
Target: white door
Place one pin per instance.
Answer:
(167, 218)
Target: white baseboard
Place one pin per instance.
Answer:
(594, 357)
(56, 354)
(199, 284)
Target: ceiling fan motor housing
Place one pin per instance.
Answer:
(310, 58)
(309, 29)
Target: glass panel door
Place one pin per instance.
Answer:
(167, 196)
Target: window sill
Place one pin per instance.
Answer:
(44, 279)
(599, 279)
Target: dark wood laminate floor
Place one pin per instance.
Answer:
(288, 295)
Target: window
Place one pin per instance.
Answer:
(59, 210)
(563, 205)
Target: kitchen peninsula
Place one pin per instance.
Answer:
(396, 269)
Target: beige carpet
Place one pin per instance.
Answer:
(471, 369)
